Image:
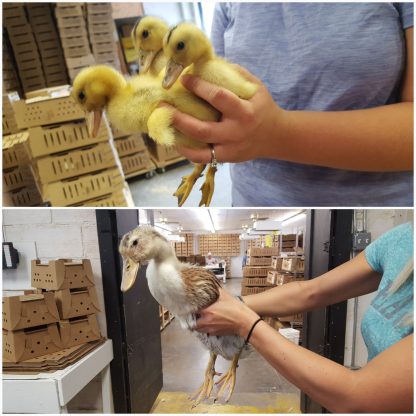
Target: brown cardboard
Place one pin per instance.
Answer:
(24, 197)
(41, 111)
(17, 178)
(61, 12)
(278, 278)
(87, 187)
(54, 139)
(255, 281)
(246, 290)
(14, 151)
(130, 145)
(293, 264)
(297, 317)
(20, 312)
(70, 21)
(277, 262)
(74, 163)
(136, 164)
(263, 252)
(114, 200)
(259, 261)
(30, 343)
(255, 271)
(77, 302)
(62, 274)
(77, 331)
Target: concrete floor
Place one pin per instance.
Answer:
(259, 389)
(157, 191)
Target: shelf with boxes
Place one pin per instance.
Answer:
(134, 155)
(186, 248)
(219, 244)
(59, 315)
(165, 317)
(69, 167)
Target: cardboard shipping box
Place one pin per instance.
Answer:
(30, 343)
(293, 264)
(77, 302)
(76, 331)
(263, 252)
(27, 311)
(62, 274)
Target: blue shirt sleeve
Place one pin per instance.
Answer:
(406, 14)
(219, 24)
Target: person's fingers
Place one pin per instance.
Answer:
(220, 98)
(195, 155)
(247, 74)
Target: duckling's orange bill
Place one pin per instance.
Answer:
(94, 122)
(130, 269)
(173, 70)
(146, 59)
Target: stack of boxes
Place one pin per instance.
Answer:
(162, 156)
(187, 248)
(292, 243)
(259, 263)
(133, 154)
(10, 77)
(62, 314)
(70, 167)
(47, 39)
(74, 37)
(224, 245)
(271, 240)
(101, 33)
(24, 46)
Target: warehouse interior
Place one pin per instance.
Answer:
(138, 359)
(49, 155)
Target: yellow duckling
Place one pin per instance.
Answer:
(187, 47)
(147, 36)
(133, 106)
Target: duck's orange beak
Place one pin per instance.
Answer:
(145, 59)
(130, 269)
(173, 70)
(95, 122)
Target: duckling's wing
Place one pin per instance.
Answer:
(201, 286)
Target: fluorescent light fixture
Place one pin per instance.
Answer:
(206, 219)
(295, 218)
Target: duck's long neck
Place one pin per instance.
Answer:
(164, 254)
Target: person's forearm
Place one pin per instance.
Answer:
(325, 381)
(376, 139)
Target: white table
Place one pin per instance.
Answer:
(51, 392)
(218, 266)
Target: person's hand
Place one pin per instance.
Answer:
(227, 316)
(247, 129)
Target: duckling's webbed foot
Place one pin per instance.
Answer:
(188, 183)
(228, 380)
(205, 390)
(208, 186)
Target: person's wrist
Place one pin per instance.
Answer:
(247, 321)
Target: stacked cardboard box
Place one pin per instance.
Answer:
(292, 243)
(47, 39)
(187, 248)
(133, 154)
(219, 244)
(74, 37)
(264, 240)
(101, 32)
(9, 121)
(19, 188)
(165, 317)
(10, 78)
(71, 168)
(72, 285)
(162, 156)
(24, 46)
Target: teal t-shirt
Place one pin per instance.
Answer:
(383, 323)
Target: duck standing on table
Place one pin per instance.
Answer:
(184, 289)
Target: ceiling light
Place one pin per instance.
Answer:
(295, 218)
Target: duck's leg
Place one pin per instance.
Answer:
(228, 379)
(208, 186)
(205, 390)
(188, 183)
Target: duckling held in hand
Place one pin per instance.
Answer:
(187, 47)
(147, 36)
(133, 106)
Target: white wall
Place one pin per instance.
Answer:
(50, 234)
(378, 222)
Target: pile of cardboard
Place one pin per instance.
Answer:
(219, 244)
(23, 43)
(60, 314)
(133, 153)
(292, 243)
(271, 240)
(47, 39)
(259, 263)
(10, 76)
(70, 167)
(101, 33)
(74, 37)
(186, 248)
(162, 156)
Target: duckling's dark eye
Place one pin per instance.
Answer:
(135, 242)
(180, 46)
(81, 96)
(145, 33)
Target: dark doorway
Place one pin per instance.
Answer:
(328, 244)
(132, 321)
